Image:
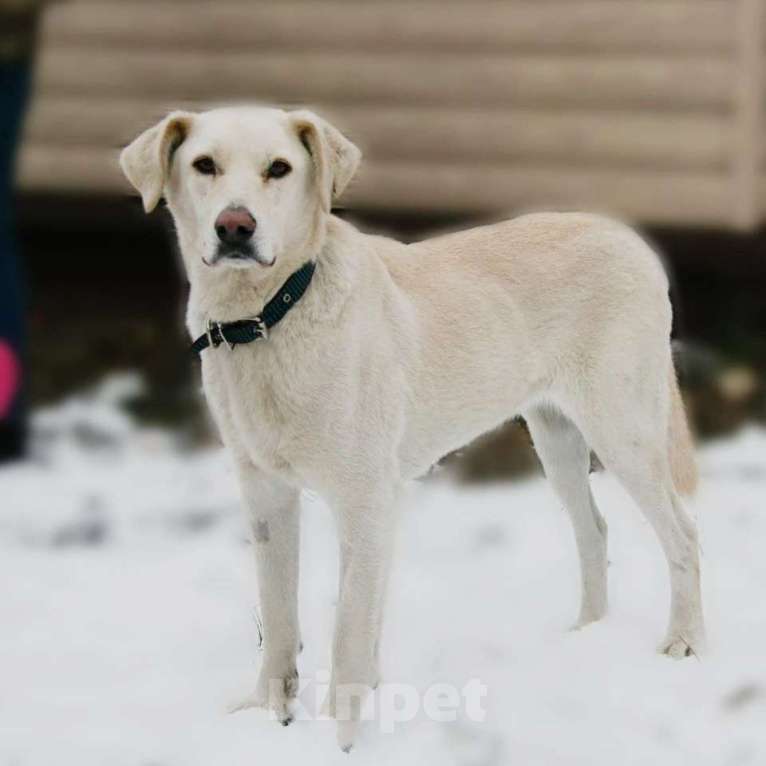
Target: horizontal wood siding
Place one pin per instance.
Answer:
(699, 25)
(487, 105)
(442, 134)
(689, 82)
(661, 197)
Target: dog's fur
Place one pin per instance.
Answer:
(399, 354)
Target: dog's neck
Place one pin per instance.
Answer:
(226, 295)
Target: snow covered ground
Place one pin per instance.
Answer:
(127, 601)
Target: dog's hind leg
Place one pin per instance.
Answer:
(628, 429)
(566, 461)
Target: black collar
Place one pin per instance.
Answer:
(247, 330)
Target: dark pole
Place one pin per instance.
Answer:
(16, 61)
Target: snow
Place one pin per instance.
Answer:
(127, 615)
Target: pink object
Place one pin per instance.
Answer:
(10, 377)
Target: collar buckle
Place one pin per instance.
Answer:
(209, 332)
(213, 325)
(260, 325)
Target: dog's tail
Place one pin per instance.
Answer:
(683, 465)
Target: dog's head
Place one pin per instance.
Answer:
(247, 186)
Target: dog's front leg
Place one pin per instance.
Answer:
(366, 527)
(274, 512)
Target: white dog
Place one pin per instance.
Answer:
(397, 354)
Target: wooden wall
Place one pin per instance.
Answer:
(652, 109)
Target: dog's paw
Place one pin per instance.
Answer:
(279, 710)
(583, 621)
(344, 703)
(678, 647)
(273, 693)
(346, 734)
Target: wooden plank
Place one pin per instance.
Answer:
(588, 137)
(70, 170)
(592, 137)
(749, 123)
(649, 197)
(678, 25)
(327, 77)
(98, 121)
(654, 197)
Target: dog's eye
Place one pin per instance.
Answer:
(204, 165)
(278, 168)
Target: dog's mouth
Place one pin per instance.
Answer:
(241, 256)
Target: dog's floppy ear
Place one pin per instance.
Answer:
(146, 161)
(335, 157)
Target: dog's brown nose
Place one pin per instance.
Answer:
(235, 226)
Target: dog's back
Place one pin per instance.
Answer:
(524, 309)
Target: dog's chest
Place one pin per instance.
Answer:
(258, 409)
